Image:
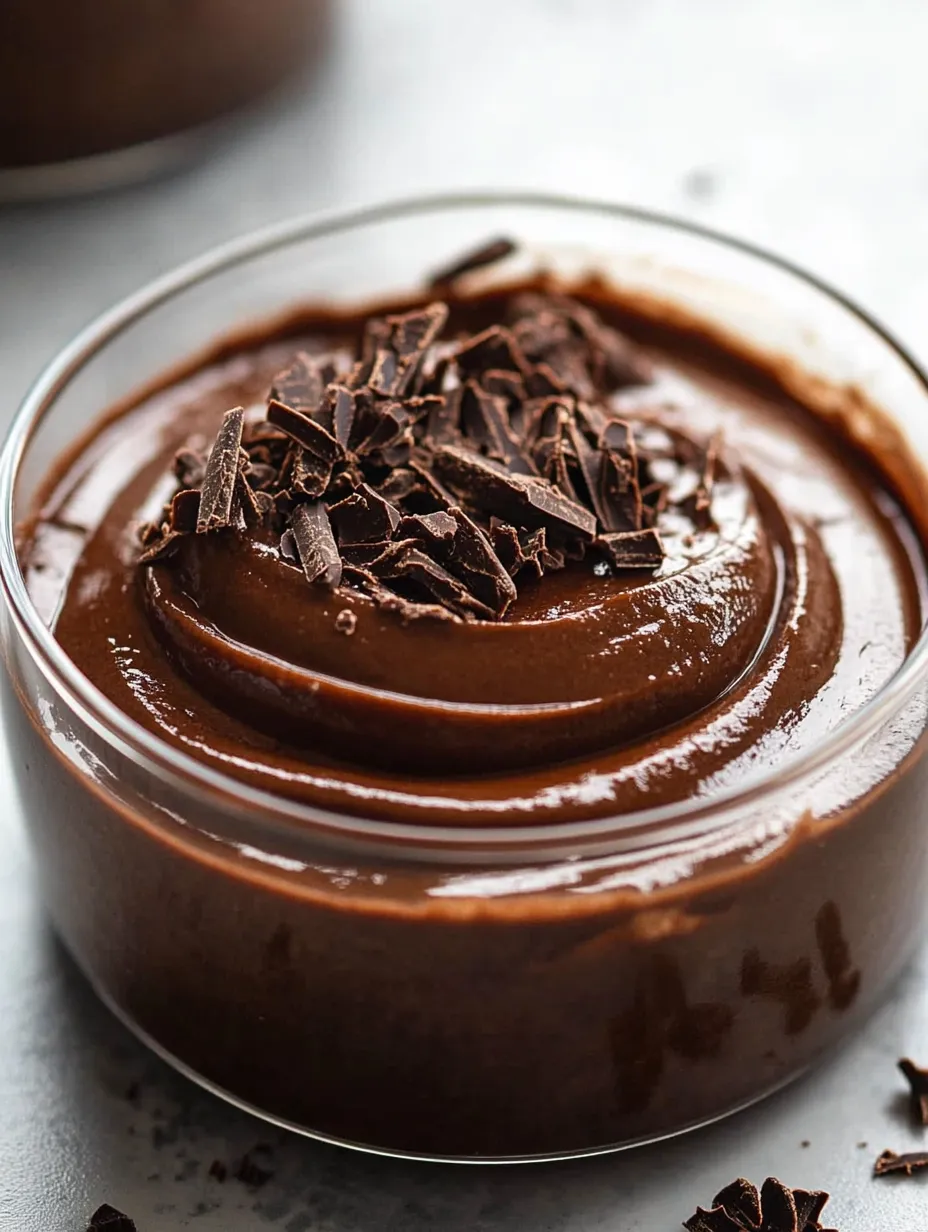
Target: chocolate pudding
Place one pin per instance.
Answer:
(485, 560)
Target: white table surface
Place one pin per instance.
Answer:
(802, 125)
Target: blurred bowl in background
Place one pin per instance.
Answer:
(95, 93)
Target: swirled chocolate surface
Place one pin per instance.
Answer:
(549, 562)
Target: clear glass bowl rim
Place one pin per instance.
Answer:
(640, 830)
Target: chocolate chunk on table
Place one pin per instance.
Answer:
(917, 1079)
(301, 385)
(343, 406)
(437, 471)
(741, 1207)
(185, 511)
(313, 437)
(415, 566)
(364, 517)
(493, 348)
(486, 419)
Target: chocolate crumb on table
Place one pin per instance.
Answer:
(917, 1079)
(251, 1173)
(907, 1165)
(107, 1219)
(741, 1207)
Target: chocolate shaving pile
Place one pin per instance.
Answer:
(436, 475)
(740, 1207)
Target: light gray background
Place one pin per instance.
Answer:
(802, 124)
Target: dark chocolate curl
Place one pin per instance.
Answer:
(478, 258)
(217, 495)
(315, 544)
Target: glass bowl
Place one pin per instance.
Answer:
(509, 994)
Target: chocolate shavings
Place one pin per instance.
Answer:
(315, 544)
(918, 1084)
(740, 1207)
(438, 474)
(216, 497)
